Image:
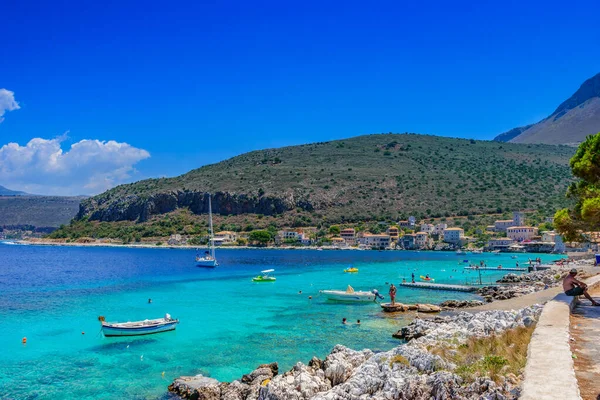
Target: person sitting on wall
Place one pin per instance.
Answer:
(574, 287)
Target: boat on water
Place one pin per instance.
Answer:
(138, 328)
(427, 279)
(208, 259)
(459, 252)
(351, 269)
(496, 252)
(265, 277)
(351, 296)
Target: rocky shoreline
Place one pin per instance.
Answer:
(409, 371)
(512, 285)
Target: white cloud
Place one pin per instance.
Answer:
(7, 102)
(88, 167)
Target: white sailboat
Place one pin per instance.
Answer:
(208, 259)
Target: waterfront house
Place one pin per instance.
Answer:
(349, 235)
(393, 232)
(226, 237)
(338, 242)
(408, 241)
(501, 244)
(289, 234)
(428, 228)
(380, 242)
(520, 233)
(175, 239)
(404, 224)
(439, 229)
(422, 240)
(305, 239)
(454, 235)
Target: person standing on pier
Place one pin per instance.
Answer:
(413, 277)
(393, 293)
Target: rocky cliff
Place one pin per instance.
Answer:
(141, 208)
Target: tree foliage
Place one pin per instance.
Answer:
(260, 237)
(585, 215)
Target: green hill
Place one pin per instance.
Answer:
(365, 178)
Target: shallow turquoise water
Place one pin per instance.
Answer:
(228, 326)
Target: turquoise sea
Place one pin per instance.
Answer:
(229, 325)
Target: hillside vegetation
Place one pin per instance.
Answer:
(366, 178)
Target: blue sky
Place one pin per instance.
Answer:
(179, 85)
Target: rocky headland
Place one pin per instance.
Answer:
(409, 371)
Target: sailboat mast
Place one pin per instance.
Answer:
(212, 241)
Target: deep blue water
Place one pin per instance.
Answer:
(228, 326)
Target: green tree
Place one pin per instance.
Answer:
(585, 215)
(260, 237)
(334, 230)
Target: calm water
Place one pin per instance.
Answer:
(228, 326)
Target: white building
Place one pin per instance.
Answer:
(289, 235)
(394, 233)
(422, 240)
(375, 241)
(520, 233)
(503, 224)
(454, 235)
(439, 228)
(500, 243)
(349, 235)
(429, 228)
(226, 236)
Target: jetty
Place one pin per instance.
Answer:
(396, 307)
(439, 286)
(497, 269)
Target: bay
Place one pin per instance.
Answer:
(229, 325)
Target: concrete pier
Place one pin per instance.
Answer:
(440, 286)
(496, 269)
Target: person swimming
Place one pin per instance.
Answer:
(344, 321)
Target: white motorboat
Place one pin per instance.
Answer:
(208, 259)
(351, 296)
(138, 328)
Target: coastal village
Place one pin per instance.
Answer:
(512, 235)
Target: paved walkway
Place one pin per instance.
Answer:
(517, 303)
(585, 329)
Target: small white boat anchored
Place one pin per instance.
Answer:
(351, 296)
(209, 259)
(138, 328)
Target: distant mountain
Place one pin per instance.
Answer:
(38, 211)
(7, 192)
(570, 123)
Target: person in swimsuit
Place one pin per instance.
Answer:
(393, 293)
(574, 287)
